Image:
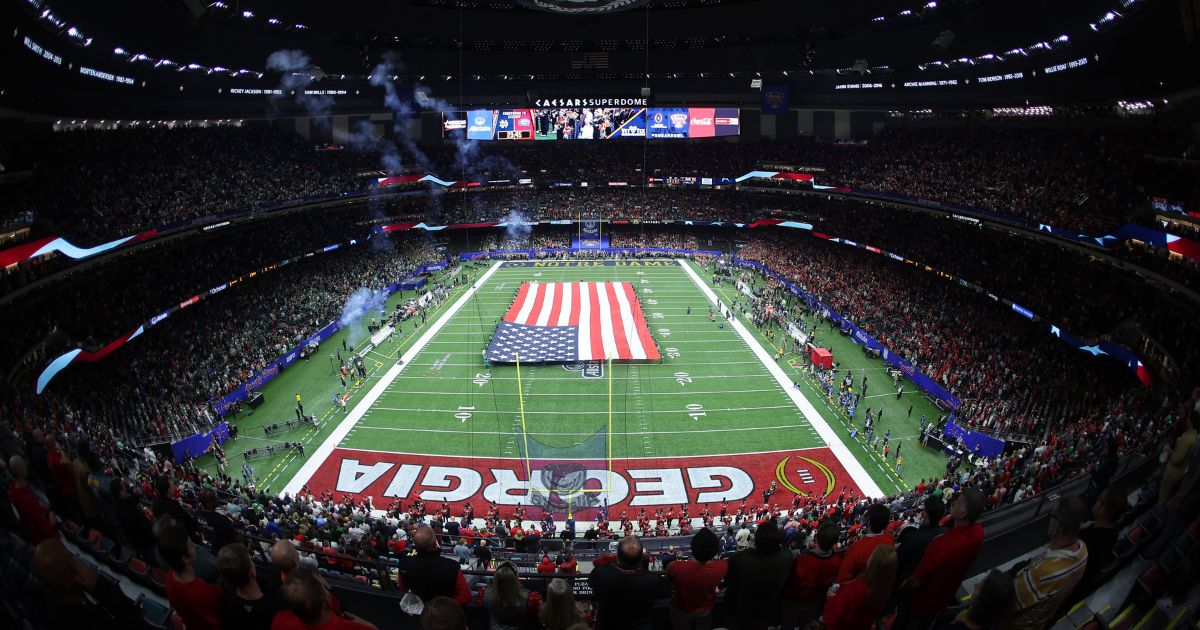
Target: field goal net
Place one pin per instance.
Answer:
(568, 478)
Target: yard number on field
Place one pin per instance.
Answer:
(672, 353)
(696, 411)
(482, 379)
(464, 413)
(683, 378)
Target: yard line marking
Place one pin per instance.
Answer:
(337, 435)
(691, 392)
(580, 433)
(586, 413)
(708, 456)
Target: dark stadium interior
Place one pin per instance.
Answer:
(996, 205)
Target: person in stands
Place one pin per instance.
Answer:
(854, 563)
(560, 611)
(77, 597)
(813, 573)
(1050, 577)
(443, 613)
(695, 583)
(35, 517)
(197, 602)
(509, 606)
(756, 580)
(244, 603)
(856, 604)
(946, 561)
(305, 598)
(425, 572)
(625, 590)
(991, 604)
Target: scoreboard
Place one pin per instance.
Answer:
(592, 123)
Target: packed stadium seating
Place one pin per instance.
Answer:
(1072, 414)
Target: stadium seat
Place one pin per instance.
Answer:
(1125, 619)
(155, 614)
(158, 579)
(102, 545)
(120, 554)
(138, 570)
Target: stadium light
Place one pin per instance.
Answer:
(1106, 21)
(249, 15)
(77, 37)
(50, 18)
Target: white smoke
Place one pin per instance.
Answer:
(297, 73)
(516, 229)
(359, 306)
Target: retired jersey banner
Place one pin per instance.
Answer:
(573, 321)
(812, 473)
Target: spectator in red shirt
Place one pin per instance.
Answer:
(946, 561)
(306, 601)
(63, 470)
(568, 565)
(856, 604)
(546, 565)
(35, 517)
(854, 564)
(812, 574)
(695, 583)
(196, 601)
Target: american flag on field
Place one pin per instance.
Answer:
(573, 321)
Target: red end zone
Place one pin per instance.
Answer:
(811, 473)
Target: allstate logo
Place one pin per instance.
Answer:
(479, 120)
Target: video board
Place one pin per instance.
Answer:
(592, 123)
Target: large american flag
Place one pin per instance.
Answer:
(573, 321)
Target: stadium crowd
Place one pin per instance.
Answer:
(1011, 376)
(96, 185)
(228, 555)
(161, 386)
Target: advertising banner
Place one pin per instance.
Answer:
(702, 122)
(727, 121)
(974, 442)
(481, 124)
(668, 123)
(197, 444)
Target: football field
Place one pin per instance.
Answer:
(717, 418)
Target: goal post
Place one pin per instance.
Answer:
(567, 478)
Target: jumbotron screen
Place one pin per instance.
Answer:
(592, 123)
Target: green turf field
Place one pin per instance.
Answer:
(711, 395)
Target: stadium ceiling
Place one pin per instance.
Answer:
(603, 46)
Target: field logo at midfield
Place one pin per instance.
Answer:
(804, 478)
(587, 369)
(581, 484)
(591, 263)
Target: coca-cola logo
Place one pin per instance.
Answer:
(707, 122)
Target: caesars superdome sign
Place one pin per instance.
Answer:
(582, 6)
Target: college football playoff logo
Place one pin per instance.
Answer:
(810, 477)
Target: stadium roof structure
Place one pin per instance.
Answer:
(192, 55)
